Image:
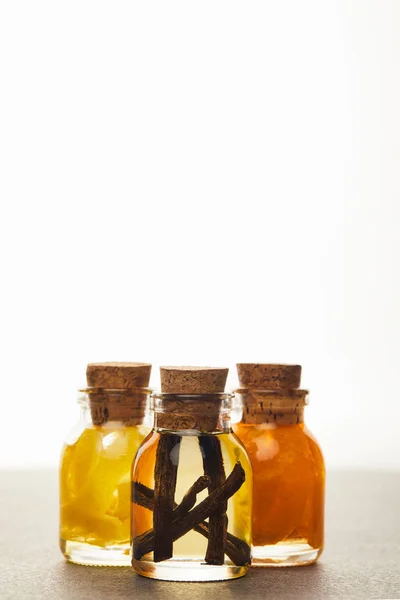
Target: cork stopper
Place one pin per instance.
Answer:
(193, 380)
(270, 393)
(118, 375)
(261, 376)
(115, 392)
(198, 412)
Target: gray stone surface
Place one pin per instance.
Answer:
(361, 560)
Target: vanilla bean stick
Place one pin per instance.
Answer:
(213, 465)
(165, 473)
(235, 548)
(142, 495)
(145, 543)
(189, 499)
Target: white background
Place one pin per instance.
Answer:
(201, 183)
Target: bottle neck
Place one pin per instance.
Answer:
(197, 413)
(125, 406)
(277, 407)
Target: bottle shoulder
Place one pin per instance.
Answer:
(232, 447)
(245, 431)
(265, 442)
(88, 443)
(315, 448)
(238, 446)
(310, 436)
(148, 444)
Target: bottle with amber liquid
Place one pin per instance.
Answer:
(191, 484)
(96, 463)
(288, 467)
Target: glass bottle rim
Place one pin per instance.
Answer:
(277, 393)
(97, 390)
(226, 400)
(209, 395)
(84, 393)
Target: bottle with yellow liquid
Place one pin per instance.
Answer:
(288, 467)
(191, 484)
(96, 462)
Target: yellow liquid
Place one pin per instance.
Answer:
(95, 494)
(188, 561)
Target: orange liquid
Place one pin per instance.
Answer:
(289, 484)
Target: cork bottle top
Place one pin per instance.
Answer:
(193, 380)
(269, 377)
(118, 375)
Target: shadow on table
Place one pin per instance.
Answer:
(94, 582)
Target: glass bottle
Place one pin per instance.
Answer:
(288, 467)
(96, 462)
(191, 484)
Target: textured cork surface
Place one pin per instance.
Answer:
(361, 559)
(115, 393)
(193, 380)
(127, 406)
(262, 376)
(200, 413)
(281, 407)
(118, 375)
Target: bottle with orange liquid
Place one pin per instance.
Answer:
(95, 488)
(288, 467)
